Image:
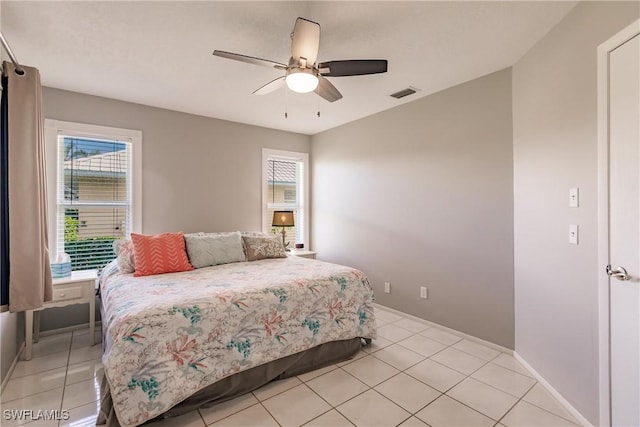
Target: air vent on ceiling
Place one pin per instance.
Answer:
(404, 92)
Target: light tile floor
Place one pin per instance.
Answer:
(412, 375)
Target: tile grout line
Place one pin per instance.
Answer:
(445, 344)
(231, 414)
(540, 407)
(395, 375)
(204, 423)
(513, 370)
(462, 373)
(66, 372)
(332, 406)
(519, 398)
(266, 409)
(515, 404)
(358, 394)
(40, 373)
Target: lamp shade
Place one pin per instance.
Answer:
(282, 219)
(301, 80)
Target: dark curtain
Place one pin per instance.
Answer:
(4, 197)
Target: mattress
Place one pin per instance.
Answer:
(169, 336)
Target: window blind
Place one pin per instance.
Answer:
(94, 198)
(285, 189)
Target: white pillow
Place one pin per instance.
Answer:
(214, 249)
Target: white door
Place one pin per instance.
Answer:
(624, 231)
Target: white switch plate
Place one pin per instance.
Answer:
(387, 287)
(573, 234)
(423, 292)
(573, 198)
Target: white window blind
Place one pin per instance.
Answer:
(94, 198)
(285, 190)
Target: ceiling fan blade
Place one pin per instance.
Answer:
(305, 41)
(353, 67)
(249, 59)
(327, 90)
(272, 86)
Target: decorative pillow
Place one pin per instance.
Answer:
(214, 249)
(124, 252)
(161, 253)
(264, 247)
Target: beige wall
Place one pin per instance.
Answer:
(198, 173)
(421, 195)
(555, 140)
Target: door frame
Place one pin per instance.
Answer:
(604, 344)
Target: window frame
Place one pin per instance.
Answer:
(303, 202)
(54, 128)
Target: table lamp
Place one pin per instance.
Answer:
(283, 219)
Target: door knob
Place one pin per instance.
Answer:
(619, 273)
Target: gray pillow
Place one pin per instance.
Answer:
(124, 251)
(214, 249)
(264, 247)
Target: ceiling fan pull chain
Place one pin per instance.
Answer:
(286, 115)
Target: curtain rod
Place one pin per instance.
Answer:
(7, 48)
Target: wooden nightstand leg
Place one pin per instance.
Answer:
(92, 320)
(36, 326)
(28, 321)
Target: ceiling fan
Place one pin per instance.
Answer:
(303, 74)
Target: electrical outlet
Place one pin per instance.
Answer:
(387, 287)
(424, 292)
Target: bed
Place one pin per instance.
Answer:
(174, 342)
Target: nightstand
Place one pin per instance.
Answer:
(79, 288)
(303, 254)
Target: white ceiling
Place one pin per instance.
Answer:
(159, 53)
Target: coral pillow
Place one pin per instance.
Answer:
(161, 253)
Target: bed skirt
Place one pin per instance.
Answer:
(243, 382)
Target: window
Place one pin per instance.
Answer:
(94, 190)
(285, 187)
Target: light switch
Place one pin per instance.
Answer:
(573, 234)
(573, 198)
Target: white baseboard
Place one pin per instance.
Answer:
(451, 331)
(11, 368)
(553, 391)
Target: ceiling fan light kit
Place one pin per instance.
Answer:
(302, 80)
(304, 74)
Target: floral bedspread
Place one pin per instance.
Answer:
(168, 336)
